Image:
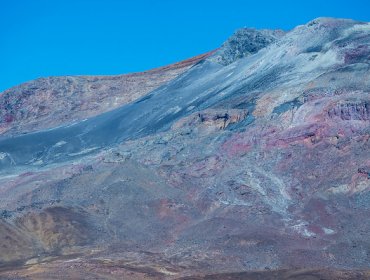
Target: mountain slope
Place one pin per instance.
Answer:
(254, 158)
(54, 101)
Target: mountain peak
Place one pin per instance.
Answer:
(244, 42)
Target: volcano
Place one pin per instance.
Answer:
(251, 161)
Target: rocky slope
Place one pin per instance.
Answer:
(54, 101)
(255, 158)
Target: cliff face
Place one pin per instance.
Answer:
(256, 157)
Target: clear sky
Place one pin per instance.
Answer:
(40, 38)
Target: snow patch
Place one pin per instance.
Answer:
(328, 230)
(174, 110)
(60, 143)
(301, 228)
(84, 151)
(357, 28)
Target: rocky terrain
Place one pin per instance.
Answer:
(251, 162)
(54, 101)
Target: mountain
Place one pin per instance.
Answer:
(254, 157)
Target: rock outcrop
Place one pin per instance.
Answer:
(245, 42)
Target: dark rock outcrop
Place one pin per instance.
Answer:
(244, 42)
(351, 110)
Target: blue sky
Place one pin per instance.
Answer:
(40, 38)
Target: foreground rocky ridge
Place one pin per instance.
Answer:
(257, 164)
